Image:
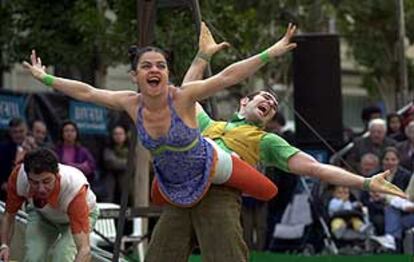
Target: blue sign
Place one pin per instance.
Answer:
(10, 107)
(90, 118)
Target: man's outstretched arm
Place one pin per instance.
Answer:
(303, 164)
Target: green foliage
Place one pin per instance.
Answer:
(82, 33)
(371, 30)
(249, 26)
(68, 33)
(45, 26)
(175, 32)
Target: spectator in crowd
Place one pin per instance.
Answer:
(115, 162)
(61, 209)
(395, 129)
(375, 142)
(72, 153)
(17, 131)
(398, 213)
(369, 113)
(375, 202)
(399, 175)
(370, 163)
(37, 138)
(406, 148)
(40, 134)
(345, 214)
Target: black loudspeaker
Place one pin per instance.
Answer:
(317, 89)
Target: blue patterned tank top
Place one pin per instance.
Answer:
(182, 159)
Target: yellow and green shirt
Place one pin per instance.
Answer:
(248, 140)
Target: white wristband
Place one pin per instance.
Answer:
(4, 246)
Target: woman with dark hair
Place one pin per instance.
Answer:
(115, 158)
(72, 153)
(395, 128)
(399, 176)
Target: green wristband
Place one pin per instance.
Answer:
(367, 184)
(264, 56)
(203, 56)
(48, 80)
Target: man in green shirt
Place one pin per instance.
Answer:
(214, 222)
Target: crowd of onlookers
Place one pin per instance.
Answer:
(388, 145)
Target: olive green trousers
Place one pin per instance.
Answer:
(214, 223)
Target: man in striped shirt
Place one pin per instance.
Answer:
(61, 209)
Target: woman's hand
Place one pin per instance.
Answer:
(5, 254)
(379, 183)
(283, 45)
(207, 44)
(36, 68)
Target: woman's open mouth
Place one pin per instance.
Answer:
(153, 81)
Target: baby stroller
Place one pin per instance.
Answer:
(301, 219)
(348, 240)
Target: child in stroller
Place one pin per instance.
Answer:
(346, 215)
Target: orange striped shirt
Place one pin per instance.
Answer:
(78, 209)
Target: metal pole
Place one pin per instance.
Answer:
(402, 96)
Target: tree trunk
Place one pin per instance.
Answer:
(387, 89)
(100, 71)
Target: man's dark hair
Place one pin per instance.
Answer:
(40, 160)
(16, 121)
(250, 96)
(368, 111)
(391, 149)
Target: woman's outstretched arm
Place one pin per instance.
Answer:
(76, 89)
(239, 71)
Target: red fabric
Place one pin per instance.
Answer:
(13, 202)
(250, 181)
(78, 212)
(156, 196)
